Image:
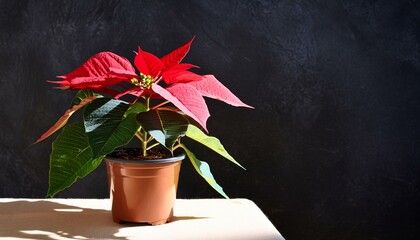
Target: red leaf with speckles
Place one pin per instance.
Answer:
(210, 87)
(187, 99)
(148, 63)
(175, 73)
(96, 72)
(177, 55)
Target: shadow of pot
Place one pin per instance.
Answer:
(143, 191)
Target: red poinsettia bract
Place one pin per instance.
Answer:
(183, 88)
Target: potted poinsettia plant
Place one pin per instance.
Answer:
(159, 105)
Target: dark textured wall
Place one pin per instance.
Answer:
(332, 148)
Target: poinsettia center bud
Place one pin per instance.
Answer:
(146, 80)
(135, 81)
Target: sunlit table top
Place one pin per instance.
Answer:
(91, 219)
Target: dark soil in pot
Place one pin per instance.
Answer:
(137, 154)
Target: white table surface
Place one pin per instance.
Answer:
(91, 219)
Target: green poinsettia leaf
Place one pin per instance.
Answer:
(70, 159)
(106, 127)
(203, 169)
(136, 108)
(165, 126)
(213, 143)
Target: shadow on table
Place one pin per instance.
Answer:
(50, 220)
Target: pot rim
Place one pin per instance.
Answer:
(177, 158)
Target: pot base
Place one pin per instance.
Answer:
(153, 223)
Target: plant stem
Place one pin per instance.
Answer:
(139, 136)
(144, 143)
(144, 132)
(154, 145)
(177, 145)
(147, 99)
(160, 105)
(150, 139)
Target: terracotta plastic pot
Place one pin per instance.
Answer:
(143, 191)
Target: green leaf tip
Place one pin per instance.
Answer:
(213, 143)
(203, 169)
